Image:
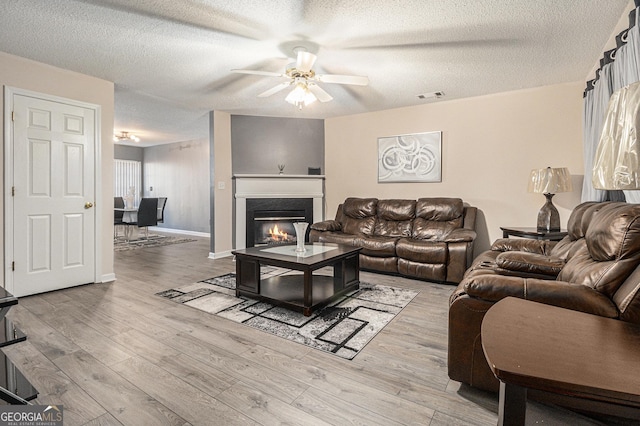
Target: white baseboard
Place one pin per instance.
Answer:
(108, 278)
(220, 255)
(180, 231)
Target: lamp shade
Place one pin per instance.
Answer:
(550, 180)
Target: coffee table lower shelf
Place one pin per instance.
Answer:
(288, 291)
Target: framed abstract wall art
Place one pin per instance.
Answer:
(410, 158)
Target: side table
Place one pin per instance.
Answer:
(564, 352)
(532, 233)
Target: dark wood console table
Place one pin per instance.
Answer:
(560, 351)
(532, 233)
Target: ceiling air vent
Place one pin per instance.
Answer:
(432, 95)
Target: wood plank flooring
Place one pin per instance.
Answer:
(116, 354)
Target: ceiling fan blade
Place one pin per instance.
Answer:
(256, 72)
(274, 89)
(319, 93)
(358, 80)
(305, 61)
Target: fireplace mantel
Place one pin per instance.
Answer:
(274, 186)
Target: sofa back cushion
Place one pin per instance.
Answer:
(359, 216)
(437, 217)
(610, 250)
(580, 217)
(395, 218)
(577, 226)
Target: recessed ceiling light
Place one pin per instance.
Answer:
(432, 95)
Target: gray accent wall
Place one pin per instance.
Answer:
(259, 144)
(180, 172)
(126, 152)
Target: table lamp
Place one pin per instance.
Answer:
(549, 182)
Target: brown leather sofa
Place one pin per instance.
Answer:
(430, 239)
(594, 269)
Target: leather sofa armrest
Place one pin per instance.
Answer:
(460, 235)
(327, 225)
(531, 263)
(566, 295)
(522, 244)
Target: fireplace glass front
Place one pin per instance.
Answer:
(270, 221)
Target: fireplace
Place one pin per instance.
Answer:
(270, 220)
(285, 197)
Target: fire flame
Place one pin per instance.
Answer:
(276, 234)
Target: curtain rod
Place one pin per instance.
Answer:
(610, 55)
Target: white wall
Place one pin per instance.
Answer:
(30, 75)
(490, 144)
(222, 243)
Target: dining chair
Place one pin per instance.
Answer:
(147, 215)
(118, 203)
(161, 203)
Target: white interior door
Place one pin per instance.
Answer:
(53, 195)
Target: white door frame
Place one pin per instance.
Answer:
(9, 92)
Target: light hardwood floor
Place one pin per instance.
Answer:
(116, 354)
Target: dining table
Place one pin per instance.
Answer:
(129, 215)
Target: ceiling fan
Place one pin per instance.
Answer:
(304, 80)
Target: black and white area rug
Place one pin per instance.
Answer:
(155, 240)
(343, 328)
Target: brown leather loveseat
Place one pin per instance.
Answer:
(430, 239)
(594, 269)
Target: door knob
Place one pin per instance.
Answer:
(88, 205)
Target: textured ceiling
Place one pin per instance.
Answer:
(170, 60)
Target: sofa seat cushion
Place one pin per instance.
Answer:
(378, 246)
(424, 271)
(424, 251)
(530, 263)
(383, 264)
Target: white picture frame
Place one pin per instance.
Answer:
(413, 157)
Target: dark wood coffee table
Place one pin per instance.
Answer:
(305, 292)
(569, 353)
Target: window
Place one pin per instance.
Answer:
(127, 176)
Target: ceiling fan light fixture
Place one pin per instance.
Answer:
(300, 96)
(304, 79)
(125, 136)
